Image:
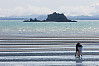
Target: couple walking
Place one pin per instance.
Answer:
(78, 49)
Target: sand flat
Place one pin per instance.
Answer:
(26, 50)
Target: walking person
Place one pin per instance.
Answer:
(78, 49)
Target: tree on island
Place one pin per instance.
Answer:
(57, 17)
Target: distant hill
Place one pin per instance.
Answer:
(18, 17)
(43, 17)
(96, 17)
(28, 16)
(9, 18)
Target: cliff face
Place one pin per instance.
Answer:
(57, 17)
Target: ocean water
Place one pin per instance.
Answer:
(80, 28)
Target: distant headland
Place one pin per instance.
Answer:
(54, 17)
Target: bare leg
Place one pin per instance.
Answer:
(79, 53)
(75, 53)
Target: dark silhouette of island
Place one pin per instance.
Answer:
(54, 17)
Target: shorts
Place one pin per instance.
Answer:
(79, 48)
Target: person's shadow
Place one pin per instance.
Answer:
(78, 61)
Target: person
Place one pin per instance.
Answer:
(78, 49)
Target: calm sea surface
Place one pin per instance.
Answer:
(82, 27)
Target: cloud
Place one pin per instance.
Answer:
(29, 10)
(38, 10)
(22, 11)
(96, 8)
(92, 9)
(80, 10)
(96, 5)
(37, 0)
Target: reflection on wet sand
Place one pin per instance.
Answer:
(47, 51)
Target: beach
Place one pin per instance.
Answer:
(48, 44)
(49, 32)
(47, 51)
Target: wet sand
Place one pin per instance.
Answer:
(48, 51)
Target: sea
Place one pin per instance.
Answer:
(48, 43)
(79, 28)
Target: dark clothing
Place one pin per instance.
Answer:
(78, 45)
(78, 49)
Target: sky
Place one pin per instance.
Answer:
(42, 7)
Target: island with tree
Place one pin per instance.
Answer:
(54, 17)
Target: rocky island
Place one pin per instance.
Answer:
(54, 17)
